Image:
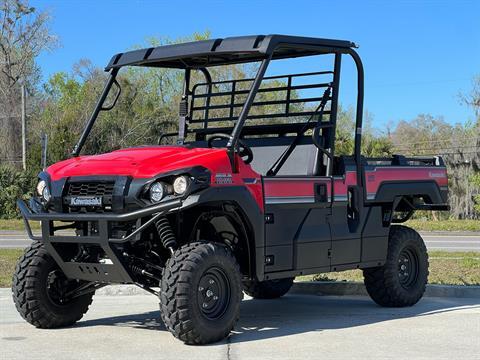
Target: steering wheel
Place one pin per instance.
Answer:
(243, 150)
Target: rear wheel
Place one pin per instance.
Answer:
(200, 293)
(402, 280)
(269, 289)
(40, 291)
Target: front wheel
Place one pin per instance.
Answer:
(40, 291)
(200, 293)
(402, 280)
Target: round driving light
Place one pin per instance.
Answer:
(46, 194)
(156, 192)
(42, 184)
(180, 185)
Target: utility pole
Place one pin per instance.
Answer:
(44, 150)
(24, 129)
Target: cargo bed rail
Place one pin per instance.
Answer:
(400, 160)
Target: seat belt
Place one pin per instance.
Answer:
(288, 151)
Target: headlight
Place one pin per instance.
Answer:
(46, 194)
(157, 190)
(42, 184)
(43, 190)
(180, 185)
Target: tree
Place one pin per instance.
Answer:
(374, 143)
(458, 144)
(472, 99)
(424, 135)
(24, 34)
(475, 181)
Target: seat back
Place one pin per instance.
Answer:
(302, 161)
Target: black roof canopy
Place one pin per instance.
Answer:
(230, 50)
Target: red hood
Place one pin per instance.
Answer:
(143, 162)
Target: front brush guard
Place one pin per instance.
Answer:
(114, 272)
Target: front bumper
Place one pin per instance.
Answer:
(114, 272)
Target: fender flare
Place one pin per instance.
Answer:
(389, 190)
(249, 212)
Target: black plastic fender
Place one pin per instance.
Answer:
(250, 213)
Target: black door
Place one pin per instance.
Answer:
(296, 230)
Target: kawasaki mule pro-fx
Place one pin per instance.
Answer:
(251, 195)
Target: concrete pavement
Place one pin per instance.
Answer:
(293, 327)
(434, 241)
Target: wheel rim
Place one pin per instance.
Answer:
(214, 293)
(408, 268)
(58, 286)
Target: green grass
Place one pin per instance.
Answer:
(448, 268)
(17, 224)
(8, 259)
(444, 225)
(453, 268)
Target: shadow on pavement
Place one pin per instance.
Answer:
(297, 314)
(149, 321)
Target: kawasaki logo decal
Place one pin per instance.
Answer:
(86, 201)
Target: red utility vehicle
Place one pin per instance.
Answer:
(252, 195)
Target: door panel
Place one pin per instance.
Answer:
(297, 234)
(313, 242)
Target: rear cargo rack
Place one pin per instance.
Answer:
(220, 102)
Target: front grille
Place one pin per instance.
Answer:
(90, 189)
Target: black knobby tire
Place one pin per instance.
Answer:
(34, 301)
(402, 280)
(200, 293)
(269, 289)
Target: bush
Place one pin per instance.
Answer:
(14, 184)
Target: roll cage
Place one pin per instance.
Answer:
(201, 55)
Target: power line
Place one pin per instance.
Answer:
(459, 148)
(446, 153)
(439, 141)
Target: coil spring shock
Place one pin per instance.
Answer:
(140, 271)
(136, 269)
(166, 234)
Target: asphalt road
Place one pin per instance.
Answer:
(434, 241)
(452, 242)
(293, 327)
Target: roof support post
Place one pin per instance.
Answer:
(208, 79)
(232, 143)
(98, 107)
(333, 110)
(359, 116)
(183, 110)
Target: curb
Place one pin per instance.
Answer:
(320, 288)
(328, 288)
(353, 288)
